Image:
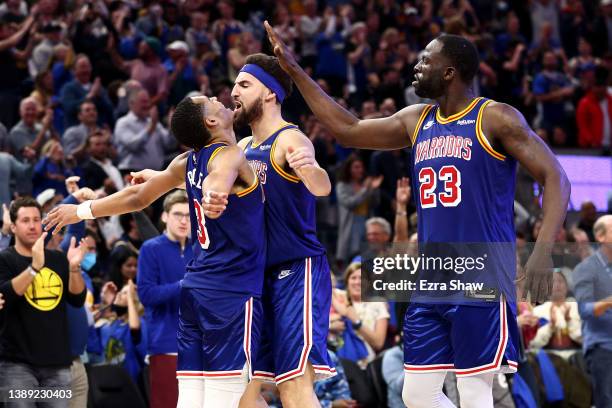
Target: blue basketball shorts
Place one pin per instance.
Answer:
(468, 339)
(218, 333)
(296, 301)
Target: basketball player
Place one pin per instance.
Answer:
(465, 151)
(297, 292)
(220, 311)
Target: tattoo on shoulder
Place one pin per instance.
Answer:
(514, 132)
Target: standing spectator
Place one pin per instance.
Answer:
(140, 138)
(593, 289)
(198, 30)
(552, 89)
(36, 284)
(358, 54)
(332, 62)
(183, 73)
(43, 52)
(80, 89)
(149, 71)
(544, 12)
(75, 137)
(308, 27)
(236, 56)
(226, 29)
(161, 266)
(12, 172)
(357, 195)
(594, 114)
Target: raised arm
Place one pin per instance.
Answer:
(132, 198)
(508, 127)
(393, 132)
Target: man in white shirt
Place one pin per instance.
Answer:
(140, 139)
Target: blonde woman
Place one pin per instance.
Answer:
(369, 320)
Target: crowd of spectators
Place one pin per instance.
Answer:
(88, 87)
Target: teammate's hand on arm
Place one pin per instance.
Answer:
(214, 203)
(297, 151)
(60, 216)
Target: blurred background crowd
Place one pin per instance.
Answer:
(88, 87)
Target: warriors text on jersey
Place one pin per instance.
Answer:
(464, 189)
(228, 252)
(290, 207)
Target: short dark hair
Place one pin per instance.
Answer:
(22, 202)
(462, 54)
(270, 64)
(187, 125)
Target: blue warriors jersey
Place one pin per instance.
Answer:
(290, 207)
(228, 252)
(464, 189)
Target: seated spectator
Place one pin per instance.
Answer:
(367, 320)
(121, 335)
(393, 374)
(27, 136)
(587, 218)
(12, 173)
(594, 114)
(560, 322)
(124, 267)
(43, 52)
(334, 392)
(82, 88)
(552, 89)
(98, 170)
(43, 91)
(593, 289)
(357, 196)
(75, 137)
(50, 171)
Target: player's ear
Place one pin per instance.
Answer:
(211, 121)
(269, 96)
(450, 73)
(164, 217)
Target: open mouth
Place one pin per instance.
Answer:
(237, 106)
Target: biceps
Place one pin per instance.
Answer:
(220, 181)
(384, 133)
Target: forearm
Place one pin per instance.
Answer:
(554, 205)
(121, 202)
(76, 284)
(375, 338)
(133, 318)
(316, 180)
(39, 138)
(21, 282)
(401, 225)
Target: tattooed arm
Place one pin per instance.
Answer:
(506, 127)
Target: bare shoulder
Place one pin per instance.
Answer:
(501, 121)
(179, 164)
(242, 143)
(228, 156)
(410, 115)
(293, 136)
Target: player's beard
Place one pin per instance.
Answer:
(430, 87)
(248, 115)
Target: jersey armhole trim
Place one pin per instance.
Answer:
(484, 142)
(279, 169)
(419, 123)
(214, 153)
(249, 189)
